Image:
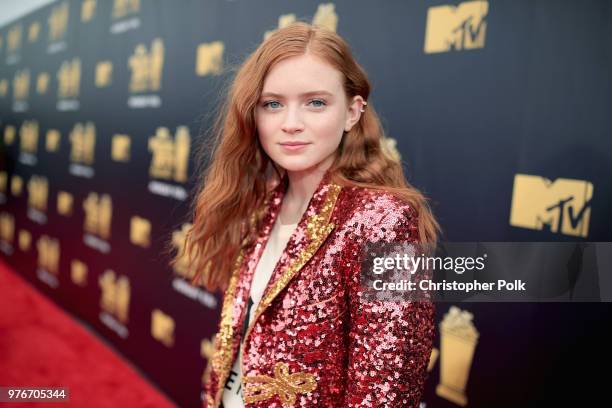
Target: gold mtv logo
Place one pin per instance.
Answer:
(14, 39)
(3, 87)
(38, 190)
(28, 134)
(78, 272)
(58, 21)
(104, 73)
(7, 227)
(3, 181)
(458, 339)
(9, 134)
(325, 16)
(21, 85)
(88, 8)
(69, 77)
(64, 203)
(170, 156)
(140, 231)
(389, 148)
(146, 67)
(115, 298)
(48, 254)
(33, 31)
(120, 149)
(16, 185)
(83, 139)
(25, 239)
(178, 242)
(98, 214)
(162, 327)
(52, 140)
(122, 8)
(209, 60)
(563, 205)
(42, 83)
(461, 27)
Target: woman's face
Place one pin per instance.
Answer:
(302, 113)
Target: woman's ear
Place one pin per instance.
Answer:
(355, 108)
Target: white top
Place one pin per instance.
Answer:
(232, 393)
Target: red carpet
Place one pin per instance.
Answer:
(40, 345)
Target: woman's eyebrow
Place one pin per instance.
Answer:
(277, 95)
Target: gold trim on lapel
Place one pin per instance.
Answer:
(318, 227)
(222, 360)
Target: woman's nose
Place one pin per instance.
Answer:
(292, 122)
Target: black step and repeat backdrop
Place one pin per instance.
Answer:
(500, 111)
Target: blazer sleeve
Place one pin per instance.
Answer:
(389, 341)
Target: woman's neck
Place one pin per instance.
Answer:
(302, 185)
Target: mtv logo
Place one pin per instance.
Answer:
(563, 205)
(461, 27)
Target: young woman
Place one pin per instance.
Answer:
(297, 184)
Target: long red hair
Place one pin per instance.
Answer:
(238, 175)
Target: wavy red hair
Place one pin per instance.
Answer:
(238, 175)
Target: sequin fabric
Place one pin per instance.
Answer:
(314, 341)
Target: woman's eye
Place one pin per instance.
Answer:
(317, 103)
(271, 104)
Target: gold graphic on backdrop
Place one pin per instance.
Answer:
(28, 134)
(563, 205)
(122, 8)
(38, 190)
(326, 16)
(162, 327)
(389, 148)
(207, 349)
(52, 140)
(9, 135)
(42, 83)
(283, 21)
(13, 40)
(170, 157)
(3, 87)
(98, 214)
(146, 67)
(78, 272)
(83, 140)
(21, 85)
(458, 339)
(461, 27)
(120, 149)
(16, 185)
(209, 60)
(33, 31)
(3, 181)
(88, 8)
(69, 78)
(140, 231)
(1, 42)
(25, 240)
(48, 254)
(58, 22)
(115, 298)
(64, 203)
(104, 73)
(7, 227)
(178, 242)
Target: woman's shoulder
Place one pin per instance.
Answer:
(372, 209)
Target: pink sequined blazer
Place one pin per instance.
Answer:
(313, 342)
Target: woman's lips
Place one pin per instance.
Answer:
(293, 146)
